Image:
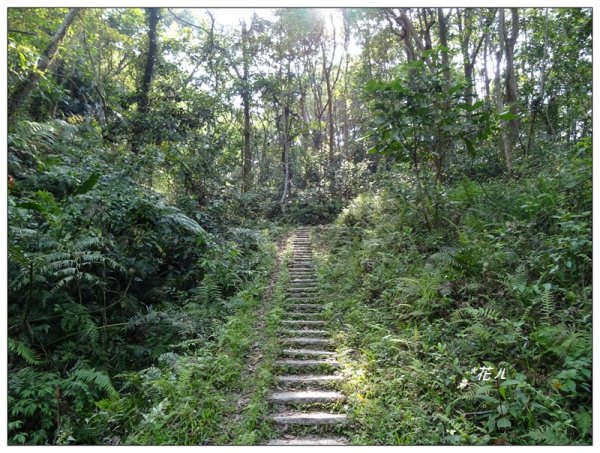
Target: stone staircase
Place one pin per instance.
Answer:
(306, 407)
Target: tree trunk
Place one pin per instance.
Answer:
(441, 142)
(538, 104)
(470, 55)
(465, 31)
(443, 29)
(506, 138)
(285, 156)
(486, 75)
(23, 90)
(331, 119)
(511, 79)
(247, 151)
(143, 99)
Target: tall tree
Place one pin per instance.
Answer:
(470, 50)
(144, 91)
(23, 90)
(510, 98)
(247, 151)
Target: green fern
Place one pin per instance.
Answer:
(517, 282)
(583, 421)
(177, 217)
(76, 318)
(555, 434)
(23, 351)
(477, 314)
(446, 256)
(546, 305)
(97, 378)
(561, 341)
(208, 291)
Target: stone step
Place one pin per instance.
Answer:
(313, 379)
(306, 340)
(302, 314)
(324, 441)
(312, 333)
(308, 363)
(304, 284)
(307, 396)
(303, 322)
(307, 352)
(310, 418)
(307, 307)
(301, 286)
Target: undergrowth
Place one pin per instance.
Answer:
(189, 396)
(428, 319)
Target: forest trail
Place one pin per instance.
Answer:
(306, 408)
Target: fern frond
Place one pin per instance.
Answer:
(446, 256)
(479, 314)
(92, 258)
(179, 218)
(547, 306)
(517, 282)
(63, 282)
(97, 378)
(23, 351)
(67, 271)
(86, 244)
(554, 434)
(208, 291)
